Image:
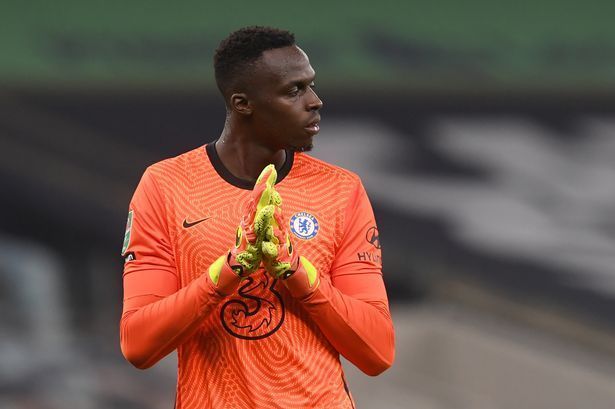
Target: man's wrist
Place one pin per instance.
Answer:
(304, 280)
(222, 276)
(292, 270)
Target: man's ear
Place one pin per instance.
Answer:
(241, 104)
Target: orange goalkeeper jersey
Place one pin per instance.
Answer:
(258, 347)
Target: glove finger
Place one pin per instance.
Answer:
(278, 268)
(270, 250)
(270, 235)
(263, 220)
(245, 257)
(260, 196)
(263, 189)
(247, 260)
(263, 197)
(268, 175)
(275, 199)
(278, 222)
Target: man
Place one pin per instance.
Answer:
(260, 325)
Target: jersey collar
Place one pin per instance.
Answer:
(224, 173)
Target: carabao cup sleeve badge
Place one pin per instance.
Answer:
(127, 233)
(304, 225)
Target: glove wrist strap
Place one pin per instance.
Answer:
(292, 270)
(223, 277)
(303, 281)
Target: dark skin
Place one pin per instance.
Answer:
(277, 110)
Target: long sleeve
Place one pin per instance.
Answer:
(351, 307)
(157, 317)
(152, 327)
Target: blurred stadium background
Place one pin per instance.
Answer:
(484, 133)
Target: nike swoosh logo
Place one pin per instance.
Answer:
(188, 224)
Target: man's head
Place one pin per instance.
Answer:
(236, 55)
(268, 84)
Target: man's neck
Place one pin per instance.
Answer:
(245, 158)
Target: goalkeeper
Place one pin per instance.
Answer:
(259, 264)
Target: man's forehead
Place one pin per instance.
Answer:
(286, 63)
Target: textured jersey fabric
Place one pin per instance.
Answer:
(258, 347)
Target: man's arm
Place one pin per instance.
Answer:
(351, 308)
(152, 326)
(360, 329)
(156, 317)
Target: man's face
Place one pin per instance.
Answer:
(285, 106)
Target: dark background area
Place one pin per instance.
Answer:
(485, 138)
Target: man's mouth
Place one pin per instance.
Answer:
(313, 127)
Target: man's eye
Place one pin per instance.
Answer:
(294, 92)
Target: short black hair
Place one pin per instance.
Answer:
(241, 49)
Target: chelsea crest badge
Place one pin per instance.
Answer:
(304, 225)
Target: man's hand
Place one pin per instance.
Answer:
(280, 256)
(246, 255)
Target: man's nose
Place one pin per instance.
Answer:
(315, 102)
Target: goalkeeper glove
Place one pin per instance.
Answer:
(281, 259)
(246, 255)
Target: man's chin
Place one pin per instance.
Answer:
(302, 148)
(304, 145)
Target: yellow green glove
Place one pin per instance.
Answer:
(279, 255)
(246, 255)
